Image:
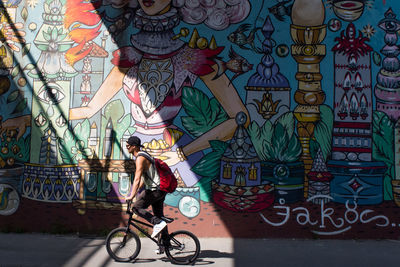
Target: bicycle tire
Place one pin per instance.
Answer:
(184, 249)
(130, 248)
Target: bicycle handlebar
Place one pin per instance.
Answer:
(129, 204)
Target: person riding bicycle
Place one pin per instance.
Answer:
(146, 175)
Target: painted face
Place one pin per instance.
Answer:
(154, 7)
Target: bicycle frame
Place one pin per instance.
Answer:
(132, 221)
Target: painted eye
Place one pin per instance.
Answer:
(51, 94)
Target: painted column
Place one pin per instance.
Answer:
(308, 32)
(387, 89)
(356, 177)
(268, 90)
(51, 86)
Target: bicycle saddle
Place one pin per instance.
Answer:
(167, 219)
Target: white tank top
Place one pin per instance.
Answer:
(151, 178)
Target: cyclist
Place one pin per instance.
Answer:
(146, 175)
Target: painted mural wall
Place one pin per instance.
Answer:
(279, 118)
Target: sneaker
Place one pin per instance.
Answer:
(157, 228)
(160, 250)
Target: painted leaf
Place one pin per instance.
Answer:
(218, 146)
(206, 190)
(268, 153)
(85, 130)
(123, 125)
(288, 123)
(61, 37)
(314, 146)
(260, 134)
(382, 138)
(203, 114)
(24, 13)
(377, 117)
(266, 131)
(20, 106)
(46, 36)
(54, 34)
(29, 66)
(15, 71)
(279, 141)
(114, 111)
(26, 49)
(63, 47)
(323, 136)
(131, 130)
(387, 188)
(323, 130)
(254, 132)
(293, 151)
(13, 96)
(382, 151)
(65, 145)
(386, 129)
(209, 165)
(46, 8)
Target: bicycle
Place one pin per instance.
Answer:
(124, 245)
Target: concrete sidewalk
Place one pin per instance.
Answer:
(52, 250)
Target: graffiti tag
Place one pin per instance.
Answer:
(341, 224)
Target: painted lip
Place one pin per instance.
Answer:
(148, 3)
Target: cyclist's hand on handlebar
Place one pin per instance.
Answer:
(129, 204)
(130, 198)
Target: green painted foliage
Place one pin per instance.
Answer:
(209, 168)
(382, 148)
(276, 142)
(323, 133)
(203, 113)
(73, 146)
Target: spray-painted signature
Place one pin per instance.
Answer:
(351, 216)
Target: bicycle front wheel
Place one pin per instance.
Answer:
(184, 249)
(122, 244)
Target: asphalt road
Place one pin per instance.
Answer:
(33, 250)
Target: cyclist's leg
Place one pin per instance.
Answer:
(158, 210)
(143, 201)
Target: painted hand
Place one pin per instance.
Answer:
(15, 126)
(170, 157)
(12, 35)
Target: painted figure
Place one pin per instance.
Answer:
(153, 71)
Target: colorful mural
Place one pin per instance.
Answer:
(274, 115)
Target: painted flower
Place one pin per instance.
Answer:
(32, 3)
(368, 31)
(80, 151)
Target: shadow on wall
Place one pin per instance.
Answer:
(155, 74)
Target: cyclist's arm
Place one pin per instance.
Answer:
(138, 181)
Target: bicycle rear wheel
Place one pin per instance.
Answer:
(122, 244)
(184, 249)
